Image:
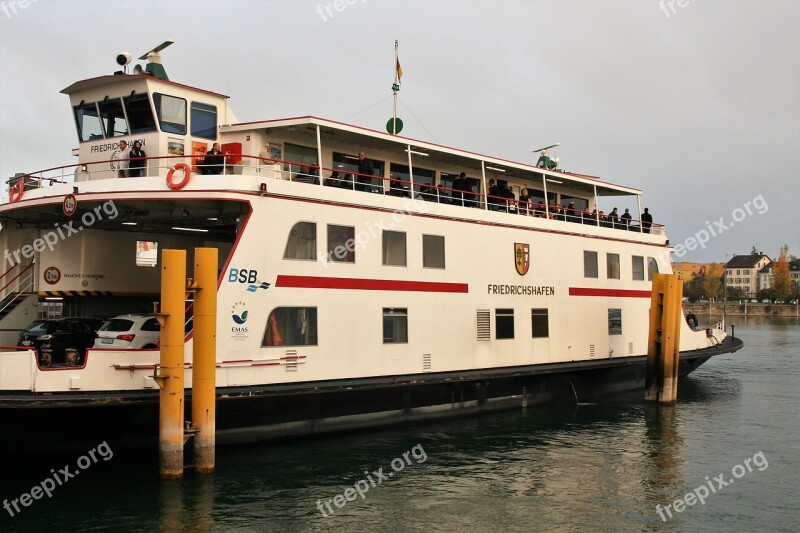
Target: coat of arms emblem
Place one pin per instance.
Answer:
(522, 258)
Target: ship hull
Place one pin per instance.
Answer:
(78, 421)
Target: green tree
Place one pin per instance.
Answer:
(712, 287)
(781, 280)
(694, 288)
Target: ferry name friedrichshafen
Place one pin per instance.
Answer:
(522, 290)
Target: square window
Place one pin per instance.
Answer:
(504, 323)
(341, 244)
(433, 251)
(394, 248)
(395, 325)
(540, 323)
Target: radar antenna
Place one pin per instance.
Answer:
(154, 66)
(544, 159)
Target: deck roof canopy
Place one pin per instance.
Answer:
(438, 155)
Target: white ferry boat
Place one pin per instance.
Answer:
(346, 300)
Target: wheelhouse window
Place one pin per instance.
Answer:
(504, 323)
(299, 156)
(87, 119)
(302, 242)
(394, 248)
(341, 244)
(590, 264)
(540, 326)
(113, 117)
(612, 266)
(652, 268)
(395, 325)
(204, 120)
(348, 164)
(433, 251)
(291, 326)
(140, 115)
(637, 265)
(146, 253)
(171, 113)
(615, 321)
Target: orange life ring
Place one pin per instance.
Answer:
(16, 191)
(187, 174)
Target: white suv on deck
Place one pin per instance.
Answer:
(128, 331)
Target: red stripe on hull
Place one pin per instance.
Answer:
(315, 282)
(617, 293)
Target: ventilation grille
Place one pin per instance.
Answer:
(591, 351)
(426, 362)
(630, 348)
(484, 324)
(291, 360)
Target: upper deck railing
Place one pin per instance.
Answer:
(310, 174)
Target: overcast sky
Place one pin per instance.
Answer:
(698, 106)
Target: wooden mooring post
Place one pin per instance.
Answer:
(663, 344)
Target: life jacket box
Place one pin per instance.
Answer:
(233, 153)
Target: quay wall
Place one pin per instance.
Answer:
(741, 309)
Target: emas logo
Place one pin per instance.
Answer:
(239, 316)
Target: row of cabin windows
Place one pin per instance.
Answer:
(297, 326)
(342, 246)
(504, 323)
(591, 270)
(132, 115)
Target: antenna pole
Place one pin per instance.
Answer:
(395, 88)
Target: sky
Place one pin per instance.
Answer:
(695, 102)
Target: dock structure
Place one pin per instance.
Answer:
(663, 345)
(204, 367)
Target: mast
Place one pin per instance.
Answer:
(395, 88)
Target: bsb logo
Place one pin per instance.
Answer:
(242, 275)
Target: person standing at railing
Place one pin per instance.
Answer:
(273, 169)
(364, 167)
(214, 161)
(457, 194)
(647, 220)
(122, 157)
(625, 219)
(137, 162)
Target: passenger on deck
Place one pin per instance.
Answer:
(613, 218)
(493, 198)
(625, 219)
(306, 175)
(458, 189)
(347, 182)
(588, 217)
(647, 220)
(604, 221)
(573, 215)
(364, 167)
(508, 203)
(137, 162)
(333, 180)
(272, 168)
(214, 162)
(524, 202)
(122, 159)
(691, 319)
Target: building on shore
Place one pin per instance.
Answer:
(686, 271)
(742, 274)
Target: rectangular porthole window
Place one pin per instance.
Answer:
(590, 264)
(433, 251)
(341, 244)
(302, 242)
(504, 323)
(394, 248)
(637, 265)
(395, 325)
(540, 323)
(615, 321)
(612, 266)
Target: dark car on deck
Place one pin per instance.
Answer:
(59, 335)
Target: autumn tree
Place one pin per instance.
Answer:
(781, 280)
(712, 285)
